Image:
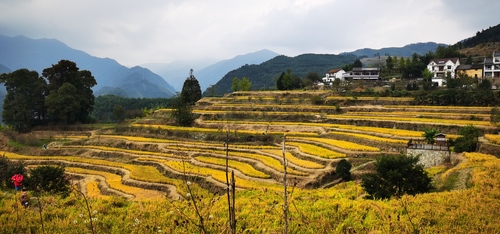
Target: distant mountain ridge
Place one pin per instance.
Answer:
(37, 54)
(405, 51)
(263, 75)
(175, 73)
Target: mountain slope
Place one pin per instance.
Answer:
(213, 73)
(175, 73)
(263, 75)
(492, 34)
(405, 51)
(22, 52)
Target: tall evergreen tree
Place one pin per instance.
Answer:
(191, 91)
(24, 100)
(66, 72)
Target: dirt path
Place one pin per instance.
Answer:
(463, 176)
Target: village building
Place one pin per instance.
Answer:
(492, 66)
(362, 73)
(442, 66)
(332, 75)
(470, 70)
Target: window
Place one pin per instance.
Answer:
(449, 67)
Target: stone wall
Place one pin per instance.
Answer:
(430, 158)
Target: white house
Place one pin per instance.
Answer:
(440, 67)
(492, 66)
(334, 74)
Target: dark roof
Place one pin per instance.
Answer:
(444, 60)
(470, 66)
(488, 61)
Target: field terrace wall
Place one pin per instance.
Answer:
(429, 157)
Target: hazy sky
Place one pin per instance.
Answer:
(135, 32)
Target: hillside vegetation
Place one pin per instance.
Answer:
(147, 175)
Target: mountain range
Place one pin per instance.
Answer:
(164, 80)
(112, 78)
(174, 72)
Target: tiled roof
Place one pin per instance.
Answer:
(444, 60)
(334, 71)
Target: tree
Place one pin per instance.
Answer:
(357, 63)
(429, 135)
(245, 84)
(66, 73)
(241, 85)
(389, 63)
(469, 139)
(343, 170)
(63, 104)
(191, 91)
(484, 85)
(48, 179)
(313, 77)
(396, 175)
(22, 103)
(287, 81)
(236, 84)
(182, 112)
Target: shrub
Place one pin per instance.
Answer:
(395, 176)
(7, 169)
(343, 170)
(49, 179)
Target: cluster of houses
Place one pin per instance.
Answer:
(439, 67)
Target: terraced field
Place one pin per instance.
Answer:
(151, 158)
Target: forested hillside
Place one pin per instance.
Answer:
(492, 34)
(264, 76)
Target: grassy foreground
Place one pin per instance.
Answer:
(341, 209)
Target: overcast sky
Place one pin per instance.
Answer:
(161, 31)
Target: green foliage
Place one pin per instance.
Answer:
(63, 104)
(484, 85)
(191, 91)
(287, 81)
(263, 76)
(469, 139)
(389, 63)
(429, 135)
(489, 35)
(495, 115)
(24, 99)
(357, 63)
(48, 179)
(7, 169)
(105, 107)
(343, 170)
(241, 85)
(457, 97)
(396, 176)
(447, 52)
(182, 112)
(66, 81)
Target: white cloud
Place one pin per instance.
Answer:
(134, 32)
